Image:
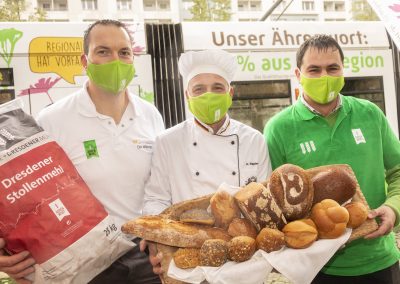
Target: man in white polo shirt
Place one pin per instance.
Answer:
(108, 134)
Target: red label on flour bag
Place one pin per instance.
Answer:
(46, 207)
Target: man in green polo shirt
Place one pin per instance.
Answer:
(323, 128)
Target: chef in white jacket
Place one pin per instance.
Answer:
(194, 157)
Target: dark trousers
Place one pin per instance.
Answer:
(390, 275)
(132, 268)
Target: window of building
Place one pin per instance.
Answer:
(62, 7)
(46, 6)
(242, 5)
(89, 4)
(124, 4)
(339, 6)
(328, 6)
(308, 5)
(255, 5)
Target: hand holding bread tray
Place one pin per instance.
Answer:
(295, 221)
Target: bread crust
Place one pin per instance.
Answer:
(292, 190)
(171, 232)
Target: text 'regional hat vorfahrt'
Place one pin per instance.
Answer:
(213, 61)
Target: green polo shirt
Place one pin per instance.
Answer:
(360, 137)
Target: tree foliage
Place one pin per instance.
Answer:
(11, 11)
(211, 10)
(362, 11)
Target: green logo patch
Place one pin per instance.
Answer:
(90, 148)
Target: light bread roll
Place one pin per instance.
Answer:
(270, 240)
(300, 233)
(358, 213)
(242, 227)
(330, 218)
(187, 257)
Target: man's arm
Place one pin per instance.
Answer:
(157, 193)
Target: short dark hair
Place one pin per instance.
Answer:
(320, 42)
(105, 22)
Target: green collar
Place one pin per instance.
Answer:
(306, 114)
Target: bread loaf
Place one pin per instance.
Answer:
(173, 233)
(292, 190)
(224, 209)
(213, 253)
(257, 205)
(358, 213)
(270, 240)
(330, 218)
(300, 234)
(175, 210)
(197, 216)
(242, 227)
(187, 257)
(333, 182)
(241, 248)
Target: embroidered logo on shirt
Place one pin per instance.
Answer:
(90, 149)
(307, 147)
(358, 136)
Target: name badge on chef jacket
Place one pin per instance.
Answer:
(144, 145)
(91, 149)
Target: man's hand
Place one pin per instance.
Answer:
(18, 265)
(387, 219)
(155, 257)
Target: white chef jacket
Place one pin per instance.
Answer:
(189, 161)
(118, 175)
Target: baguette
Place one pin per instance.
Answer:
(173, 233)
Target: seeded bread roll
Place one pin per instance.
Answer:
(270, 240)
(213, 253)
(187, 257)
(242, 227)
(224, 209)
(257, 205)
(333, 182)
(330, 218)
(197, 216)
(358, 213)
(241, 248)
(292, 190)
(300, 233)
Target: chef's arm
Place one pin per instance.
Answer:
(264, 163)
(157, 193)
(393, 191)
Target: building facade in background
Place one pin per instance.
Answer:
(174, 11)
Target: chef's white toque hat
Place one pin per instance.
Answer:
(215, 61)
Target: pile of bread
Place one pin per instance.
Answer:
(294, 207)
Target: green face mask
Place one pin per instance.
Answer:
(324, 89)
(113, 77)
(210, 107)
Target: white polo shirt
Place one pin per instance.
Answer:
(114, 160)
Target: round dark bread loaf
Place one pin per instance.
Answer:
(333, 183)
(292, 190)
